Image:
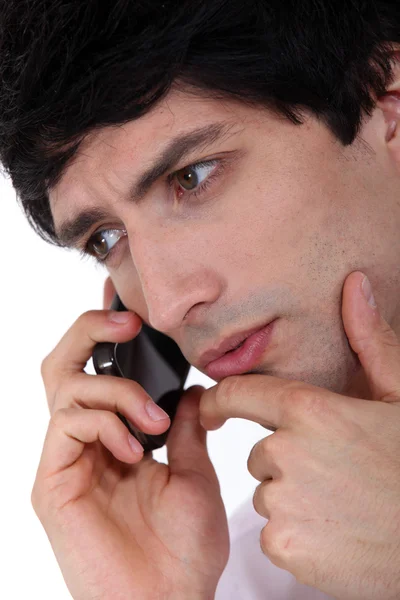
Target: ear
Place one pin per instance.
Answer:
(109, 292)
(389, 104)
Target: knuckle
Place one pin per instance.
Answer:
(360, 342)
(57, 398)
(272, 450)
(131, 389)
(390, 338)
(275, 445)
(296, 393)
(84, 391)
(257, 500)
(315, 405)
(261, 500)
(106, 419)
(46, 367)
(59, 417)
(86, 318)
(49, 373)
(34, 497)
(118, 392)
(268, 542)
(258, 453)
(38, 496)
(301, 399)
(391, 396)
(274, 543)
(37, 500)
(41, 500)
(91, 314)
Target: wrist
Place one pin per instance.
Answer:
(191, 594)
(204, 589)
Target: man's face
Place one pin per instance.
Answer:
(286, 215)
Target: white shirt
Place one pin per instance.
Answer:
(249, 574)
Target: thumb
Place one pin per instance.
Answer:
(187, 439)
(375, 342)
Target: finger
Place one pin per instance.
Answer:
(261, 463)
(375, 342)
(76, 346)
(109, 293)
(267, 498)
(187, 441)
(115, 394)
(260, 398)
(70, 429)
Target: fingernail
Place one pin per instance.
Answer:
(155, 412)
(119, 317)
(367, 291)
(134, 444)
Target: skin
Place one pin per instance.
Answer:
(276, 236)
(298, 211)
(333, 511)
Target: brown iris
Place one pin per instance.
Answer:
(99, 244)
(189, 177)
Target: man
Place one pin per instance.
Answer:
(235, 166)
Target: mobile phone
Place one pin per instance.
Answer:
(153, 360)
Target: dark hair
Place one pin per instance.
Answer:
(68, 67)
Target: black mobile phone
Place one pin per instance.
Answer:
(153, 360)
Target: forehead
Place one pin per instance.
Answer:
(113, 152)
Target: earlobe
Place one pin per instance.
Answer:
(390, 107)
(391, 131)
(389, 103)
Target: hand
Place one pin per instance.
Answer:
(330, 475)
(121, 524)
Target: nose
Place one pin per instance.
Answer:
(173, 282)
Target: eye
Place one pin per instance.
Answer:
(101, 243)
(194, 177)
(193, 180)
(189, 179)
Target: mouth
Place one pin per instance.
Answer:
(243, 357)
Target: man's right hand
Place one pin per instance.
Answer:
(121, 524)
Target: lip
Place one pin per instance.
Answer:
(227, 344)
(244, 358)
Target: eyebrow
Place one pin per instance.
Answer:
(74, 228)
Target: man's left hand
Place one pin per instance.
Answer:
(330, 474)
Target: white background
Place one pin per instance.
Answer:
(43, 290)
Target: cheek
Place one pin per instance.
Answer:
(293, 230)
(127, 284)
(267, 223)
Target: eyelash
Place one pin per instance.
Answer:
(85, 253)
